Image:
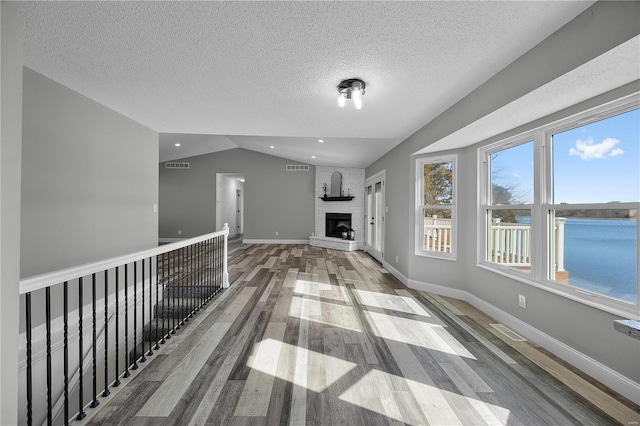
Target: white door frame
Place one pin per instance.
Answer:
(371, 182)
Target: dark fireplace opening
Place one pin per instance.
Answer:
(337, 223)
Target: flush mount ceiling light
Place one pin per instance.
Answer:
(352, 88)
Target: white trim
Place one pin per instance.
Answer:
(543, 188)
(393, 271)
(420, 206)
(437, 289)
(371, 181)
(261, 241)
(593, 368)
(611, 378)
(56, 277)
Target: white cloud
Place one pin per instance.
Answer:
(517, 175)
(588, 150)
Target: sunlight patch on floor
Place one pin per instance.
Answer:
(391, 302)
(374, 392)
(417, 333)
(323, 370)
(329, 313)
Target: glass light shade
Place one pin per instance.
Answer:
(341, 99)
(357, 99)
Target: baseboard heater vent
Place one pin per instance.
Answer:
(297, 167)
(176, 165)
(508, 332)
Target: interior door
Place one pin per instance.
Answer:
(375, 211)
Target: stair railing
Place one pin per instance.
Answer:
(135, 303)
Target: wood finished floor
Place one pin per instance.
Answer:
(310, 336)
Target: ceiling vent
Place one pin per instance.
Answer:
(297, 167)
(176, 165)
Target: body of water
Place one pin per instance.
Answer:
(601, 255)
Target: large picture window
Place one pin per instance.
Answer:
(560, 205)
(436, 207)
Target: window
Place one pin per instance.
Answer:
(436, 207)
(559, 206)
(509, 228)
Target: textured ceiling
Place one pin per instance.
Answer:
(255, 74)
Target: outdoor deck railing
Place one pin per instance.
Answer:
(509, 244)
(135, 303)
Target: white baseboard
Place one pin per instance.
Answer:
(254, 241)
(393, 271)
(438, 289)
(593, 368)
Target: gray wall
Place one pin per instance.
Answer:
(10, 152)
(588, 330)
(89, 180)
(274, 199)
(397, 199)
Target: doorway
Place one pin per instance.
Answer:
(230, 202)
(374, 217)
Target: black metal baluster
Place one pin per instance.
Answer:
(179, 289)
(142, 359)
(135, 316)
(117, 382)
(65, 338)
(193, 295)
(188, 283)
(126, 321)
(81, 414)
(157, 303)
(202, 289)
(173, 292)
(29, 364)
(165, 275)
(150, 308)
(106, 334)
(94, 346)
(47, 308)
(203, 270)
(208, 270)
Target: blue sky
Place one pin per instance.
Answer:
(595, 163)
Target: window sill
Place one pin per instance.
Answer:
(594, 300)
(450, 257)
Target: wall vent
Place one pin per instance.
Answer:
(297, 167)
(176, 165)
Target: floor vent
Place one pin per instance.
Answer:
(297, 167)
(509, 333)
(176, 165)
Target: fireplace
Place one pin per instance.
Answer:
(337, 223)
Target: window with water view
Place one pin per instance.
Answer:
(596, 181)
(582, 211)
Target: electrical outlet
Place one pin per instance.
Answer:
(277, 233)
(396, 259)
(179, 232)
(522, 301)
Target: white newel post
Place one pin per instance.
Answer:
(560, 221)
(225, 272)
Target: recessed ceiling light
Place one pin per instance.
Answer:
(313, 156)
(321, 140)
(271, 146)
(177, 144)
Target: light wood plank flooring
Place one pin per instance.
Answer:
(310, 336)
